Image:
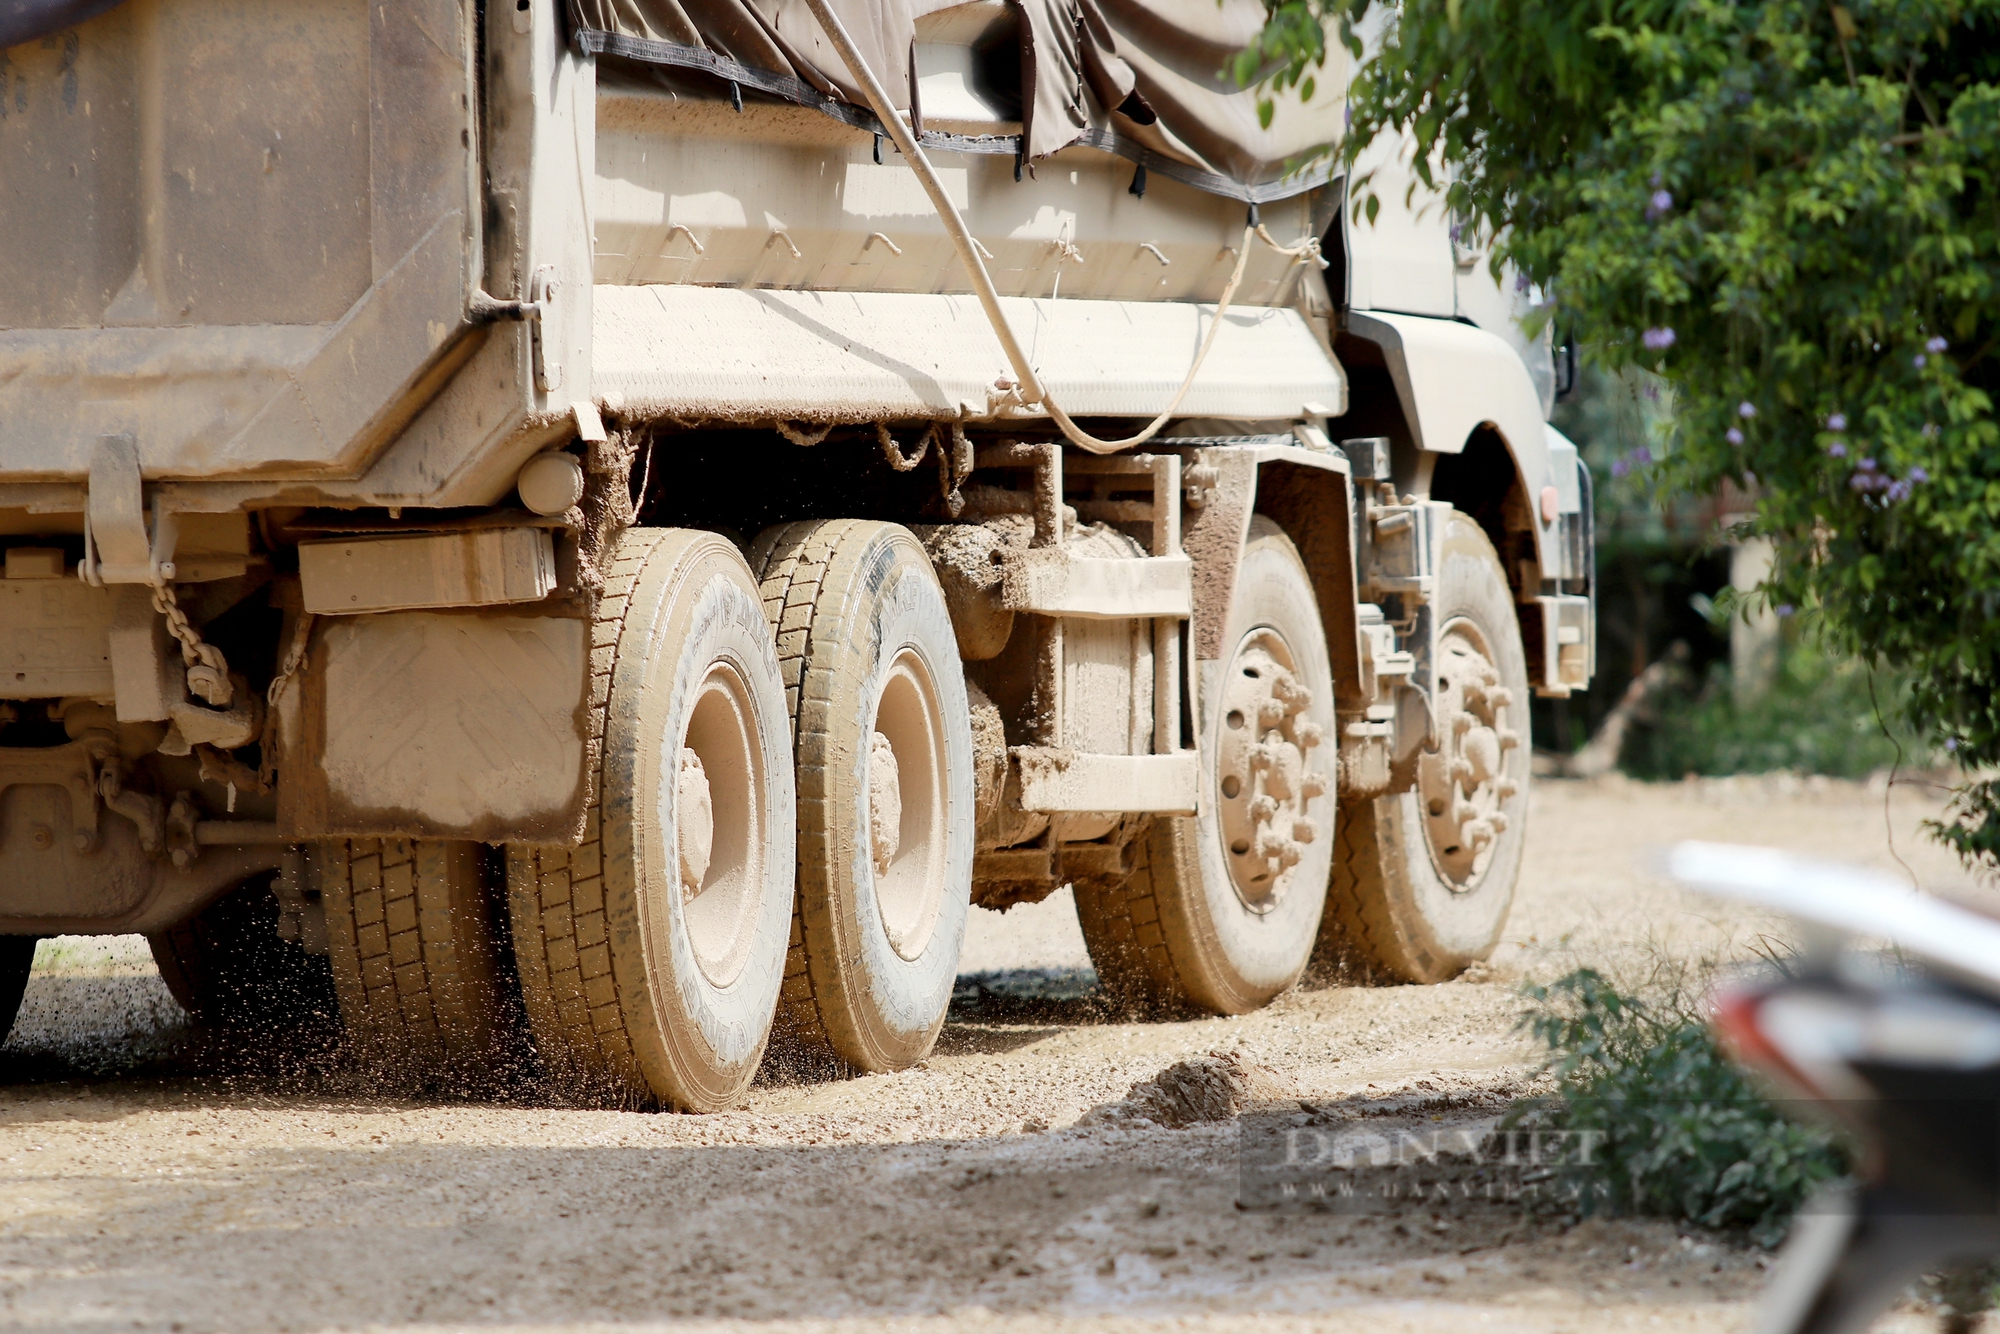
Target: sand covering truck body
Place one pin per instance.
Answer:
(601, 531)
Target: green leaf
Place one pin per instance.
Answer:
(1819, 228)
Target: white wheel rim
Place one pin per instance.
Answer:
(910, 877)
(1466, 783)
(720, 913)
(1263, 784)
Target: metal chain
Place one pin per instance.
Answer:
(294, 656)
(208, 670)
(301, 636)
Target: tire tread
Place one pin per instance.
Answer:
(791, 564)
(556, 900)
(415, 968)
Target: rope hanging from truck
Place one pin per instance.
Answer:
(1029, 384)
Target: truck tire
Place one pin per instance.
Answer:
(17, 959)
(1221, 909)
(1424, 879)
(885, 820)
(651, 955)
(412, 948)
(229, 968)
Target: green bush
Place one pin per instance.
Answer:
(1682, 1132)
(1817, 717)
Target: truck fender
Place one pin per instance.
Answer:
(1308, 493)
(1455, 380)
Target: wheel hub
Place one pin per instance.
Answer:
(1264, 784)
(1463, 783)
(885, 803)
(694, 807)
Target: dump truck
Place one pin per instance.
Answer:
(586, 535)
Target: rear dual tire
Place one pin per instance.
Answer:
(651, 955)
(416, 959)
(884, 747)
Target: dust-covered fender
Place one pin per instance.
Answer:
(1454, 379)
(1308, 493)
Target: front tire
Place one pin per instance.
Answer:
(1220, 910)
(651, 955)
(884, 740)
(1424, 879)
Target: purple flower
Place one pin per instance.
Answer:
(1866, 465)
(1951, 743)
(1899, 491)
(1660, 204)
(1919, 360)
(1658, 340)
(1454, 233)
(1733, 436)
(1642, 456)
(1837, 449)
(1936, 345)
(1785, 609)
(1861, 481)
(1837, 422)
(1746, 409)
(1919, 474)
(1619, 467)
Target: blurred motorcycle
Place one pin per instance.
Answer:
(1901, 1048)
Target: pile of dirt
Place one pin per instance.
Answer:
(1219, 1086)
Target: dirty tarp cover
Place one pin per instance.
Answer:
(1137, 77)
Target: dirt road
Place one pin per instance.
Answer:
(152, 1180)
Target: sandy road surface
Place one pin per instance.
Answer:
(150, 1179)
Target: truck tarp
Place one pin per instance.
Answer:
(25, 20)
(1140, 78)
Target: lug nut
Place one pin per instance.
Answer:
(1305, 831)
